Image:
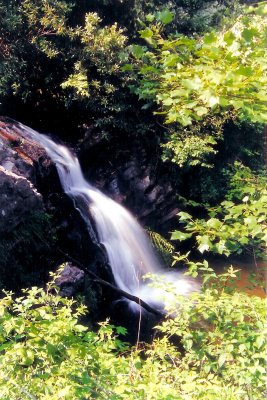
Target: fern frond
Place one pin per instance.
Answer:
(161, 245)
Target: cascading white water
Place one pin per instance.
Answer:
(129, 251)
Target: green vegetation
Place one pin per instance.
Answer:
(31, 34)
(236, 225)
(46, 353)
(189, 75)
(163, 247)
(60, 59)
(200, 83)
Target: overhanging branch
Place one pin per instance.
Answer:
(102, 282)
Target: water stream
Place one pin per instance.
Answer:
(128, 248)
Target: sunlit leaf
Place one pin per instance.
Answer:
(178, 235)
(166, 16)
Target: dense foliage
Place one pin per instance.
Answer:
(236, 225)
(30, 37)
(69, 62)
(201, 82)
(196, 81)
(45, 353)
(54, 65)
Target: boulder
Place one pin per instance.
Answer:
(71, 280)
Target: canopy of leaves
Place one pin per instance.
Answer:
(204, 81)
(29, 29)
(56, 58)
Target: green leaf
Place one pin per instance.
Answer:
(192, 84)
(146, 34)
(171, 60)
(212, 101)
(137, 51)
(188, 343)
(260, 341)
(150, 17)
(167, 102)
(251, 221)
(178, 235)
(127, 67)
(184, 216)
(214, 223)
(256, 231)
(178, 93)
(204, 243)
(264, 238)
(200, 111)
(210, 38)
(223, 102)
(64, 393)
(248, 34)
(229, 38)
(184, 120)
(245, 71)
(227, 204)
(261, 9)
(241, 347)
(80, 328)
(121, 330)
(220, 247)
(203, 247)
(166, 16)
(222, 359)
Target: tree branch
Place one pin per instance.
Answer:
(102, 282)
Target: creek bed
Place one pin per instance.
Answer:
(246, 267)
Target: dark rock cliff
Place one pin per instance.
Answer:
(132, 173)
(36, 217)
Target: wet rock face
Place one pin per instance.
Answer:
(135, 177)
(20, 155)
(24, 226)
(18, 198)
(36, 217)
(149, 192)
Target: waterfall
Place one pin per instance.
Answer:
(129, 251)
